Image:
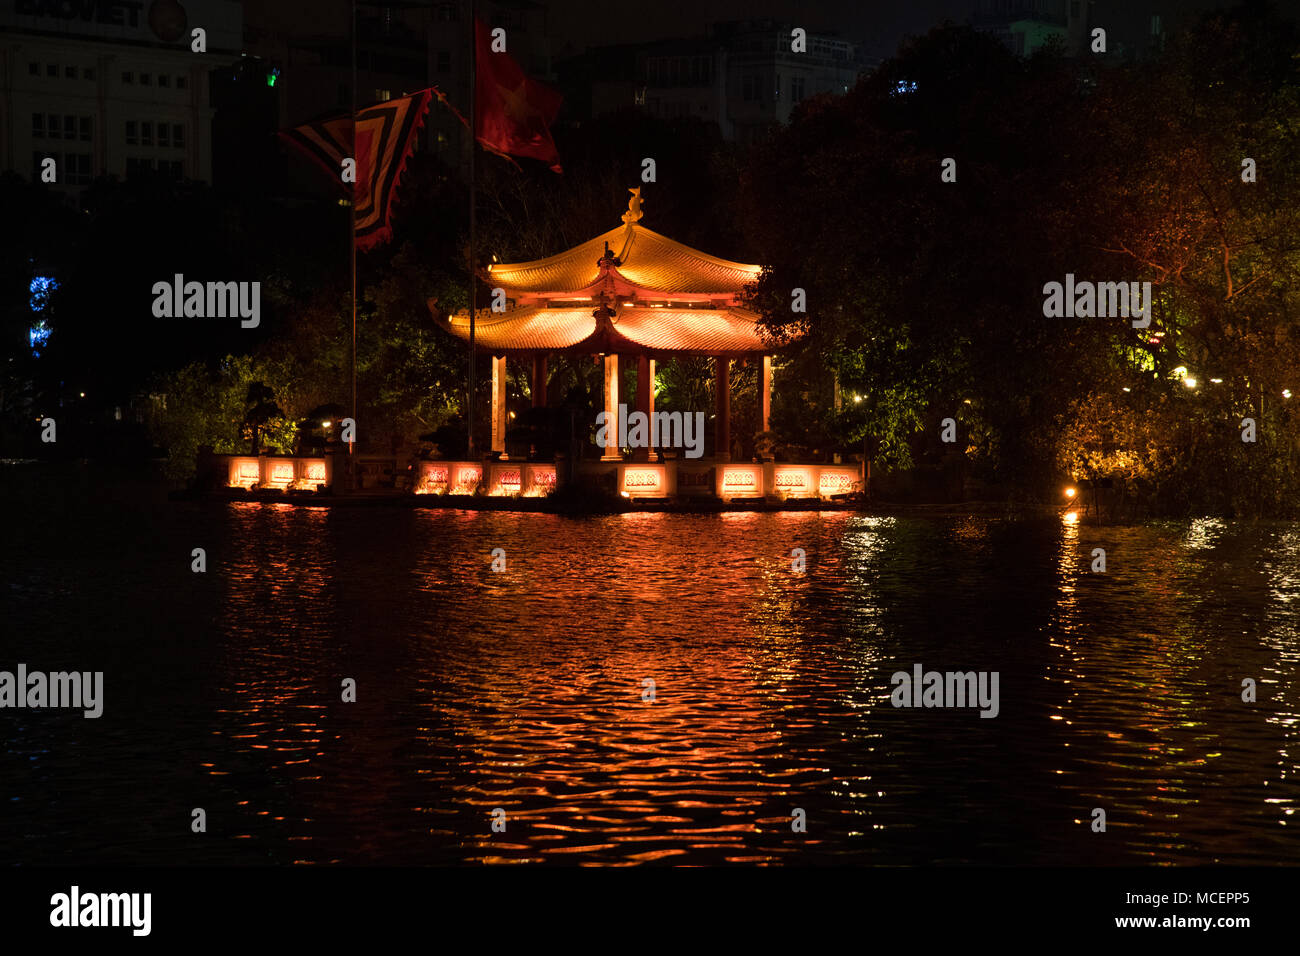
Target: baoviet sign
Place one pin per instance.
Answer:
(134, 21)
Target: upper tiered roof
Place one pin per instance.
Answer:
(650, 265)
(627, 290)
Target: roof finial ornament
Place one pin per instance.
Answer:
(633, 213)
(608, 260)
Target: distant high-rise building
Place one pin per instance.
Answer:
(743, 76)
(1026, 26)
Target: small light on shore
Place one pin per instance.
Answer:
(1286, 393)
(326, 424)
(1070, 492)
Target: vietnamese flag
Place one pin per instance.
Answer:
(513, 114)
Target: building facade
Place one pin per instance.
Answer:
(110, 88)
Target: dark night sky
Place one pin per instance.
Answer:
(882, 24)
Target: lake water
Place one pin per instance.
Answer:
(523, 689)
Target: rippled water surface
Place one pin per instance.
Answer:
(525, 690)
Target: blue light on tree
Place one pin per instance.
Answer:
(40, 289)
(37, 336)
(39, 299)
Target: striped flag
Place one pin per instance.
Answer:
(380, 140)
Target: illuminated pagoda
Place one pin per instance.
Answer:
(633, 295)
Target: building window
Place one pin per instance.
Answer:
(132, 138)
(383, 96)
(128, 77)
(164, 138)
(444, 61)
(164, 80)
(178, 136)
(88, 74)
(76, 169)
(52, 70)
(34, 69)
(38, 126)
(146, 79)
(176, 169)
(85, 129)
(69, 72)
(796, 89)
(52, 130)
(146, 133)
(181, 82)
(69, 127)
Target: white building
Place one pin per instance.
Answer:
(111, 86)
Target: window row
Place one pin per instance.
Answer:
(164, 80)
(139, 166)
(147, 133)
(70, 169)
(679, 70)
(751, 88)
(54, 126)
(52, 71)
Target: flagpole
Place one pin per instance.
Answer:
(473, 187)
(352, 252)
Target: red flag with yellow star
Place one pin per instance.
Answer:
(513, 114)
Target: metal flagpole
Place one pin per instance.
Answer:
(352, 250)
(473, 149)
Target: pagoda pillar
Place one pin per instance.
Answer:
(645, 402)
(765, 391)
(499, 404)
(538, 384)
(650, 410)
(613, 451)
(722, 396)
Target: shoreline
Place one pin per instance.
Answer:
(545, 505)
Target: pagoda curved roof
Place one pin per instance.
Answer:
(635, 329)
(648, 260)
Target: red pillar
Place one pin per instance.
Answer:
(765, 390)
(539, 381)
(722, 393)
(612, 450)
(499, 404)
